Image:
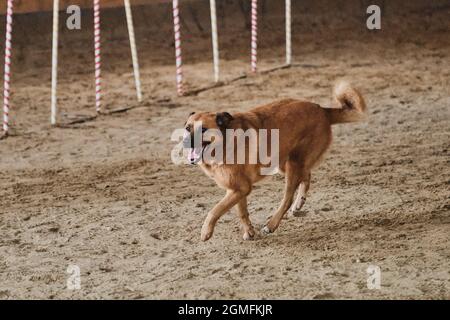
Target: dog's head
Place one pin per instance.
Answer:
(196, 126)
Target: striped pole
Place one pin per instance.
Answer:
(134, 56)
(97, 47)
(288, 33)
(54, 61)
(179, 61)
(254, 43)
(215, 42)
(7, 75)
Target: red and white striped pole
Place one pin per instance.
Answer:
(179, 61)
(7, 75)
(254, 43)
(97, 47)
(288, 33)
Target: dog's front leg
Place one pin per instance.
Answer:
(231, 199)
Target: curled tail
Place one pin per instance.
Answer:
(352, 107)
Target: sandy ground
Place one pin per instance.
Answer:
(104, 195)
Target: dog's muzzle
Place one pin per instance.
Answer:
(194, 145)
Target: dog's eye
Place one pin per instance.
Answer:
(188, 128)
(204, 130)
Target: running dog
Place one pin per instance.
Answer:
(304, 136)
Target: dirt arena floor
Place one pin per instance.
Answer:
(104, 194)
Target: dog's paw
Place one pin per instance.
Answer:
(266, 230)
(206, 233)
(206, 236)
(248, 235)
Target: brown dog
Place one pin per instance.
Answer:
(304, 136)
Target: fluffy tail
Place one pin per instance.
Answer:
(352, 107)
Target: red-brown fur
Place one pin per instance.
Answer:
(305, 135)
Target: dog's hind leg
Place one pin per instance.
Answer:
(301, 196)
(294, 174)
(229, 201)
(249, 232)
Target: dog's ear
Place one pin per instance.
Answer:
(190, 114)
(223, 119)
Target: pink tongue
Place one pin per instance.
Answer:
(194, 153)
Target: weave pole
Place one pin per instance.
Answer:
(254, 43)
(134, 56)
(7, 75)
(288, 33)
(54, 62)
(215, 42)
(97, 49)
(179, 61)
